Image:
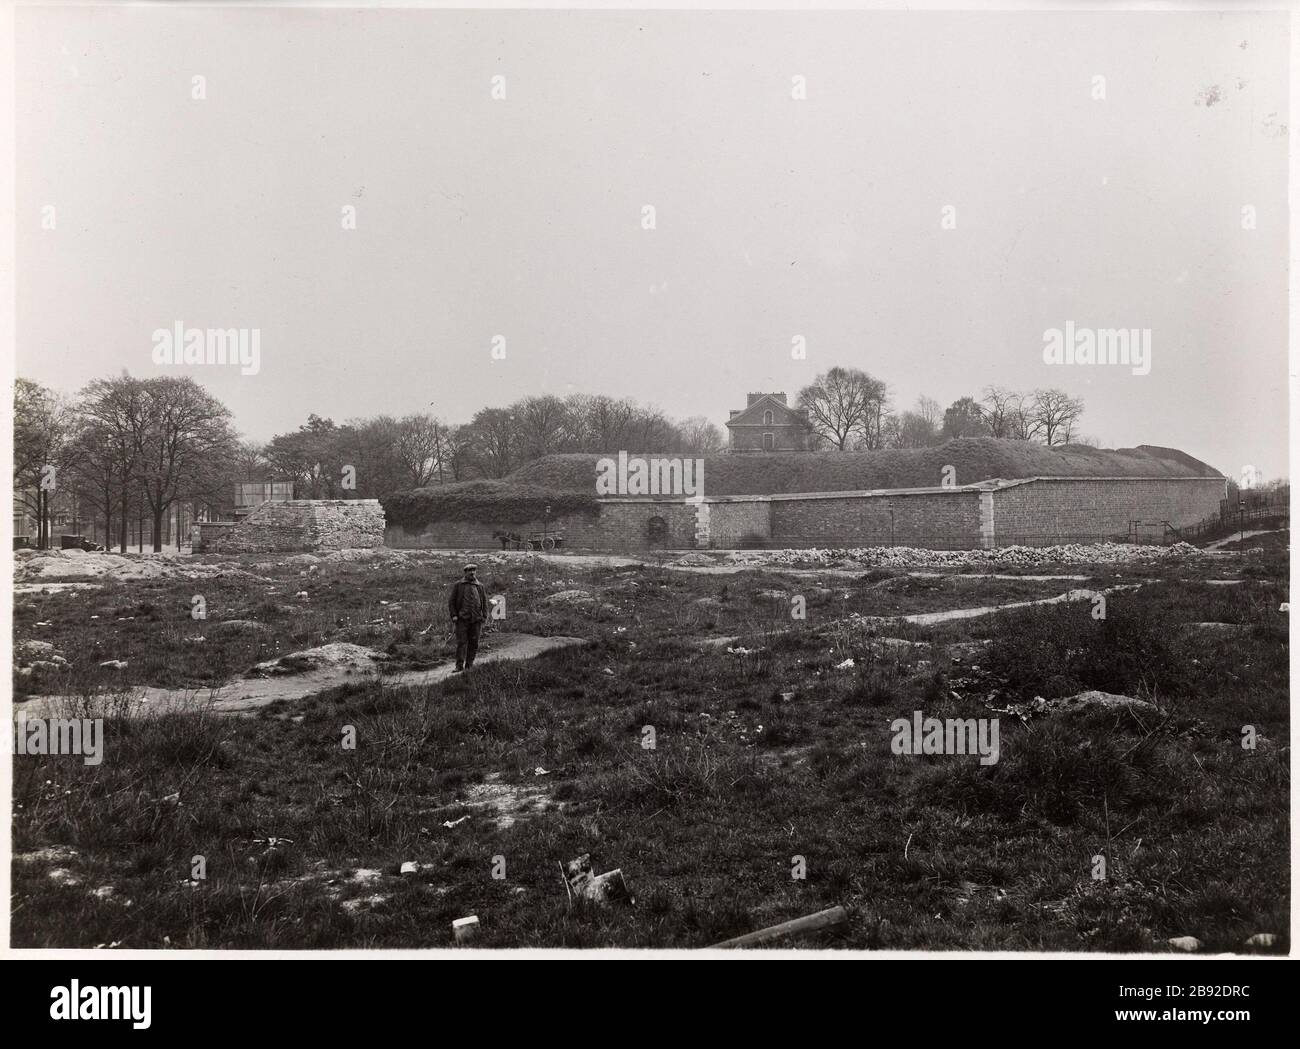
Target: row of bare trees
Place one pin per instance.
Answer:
(121, 446)
(124, 445)
(390, 454)
(850, 410)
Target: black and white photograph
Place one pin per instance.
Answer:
(614, 482)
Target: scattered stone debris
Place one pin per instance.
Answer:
(603, 889)
(1003, 557)
(1091, 700)
(1263, 940)
(49, 854)
(465, 929)
(694, 561)
(30, 656)
(509, 801)
(568, 596)
(366, 902)
(78, 564)
(239, 625)
(119, 664)
(335, 655)
(1188, 944)
(847, 664)
(63, 876)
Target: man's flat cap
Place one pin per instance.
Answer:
(471, 568)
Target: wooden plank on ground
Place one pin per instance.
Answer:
(809, 923)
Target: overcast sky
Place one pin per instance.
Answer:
(775, 217)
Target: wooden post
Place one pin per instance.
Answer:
(811, 923)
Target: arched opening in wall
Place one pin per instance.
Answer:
(657, 531)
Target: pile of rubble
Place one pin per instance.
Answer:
(1005, 557)
(52, 565)
(37, 655)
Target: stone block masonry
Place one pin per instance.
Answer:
(304, 525)
(935, 518)
(1036, 511)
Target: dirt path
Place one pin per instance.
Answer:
(615, 561)
(931, 618)
(1238, 536)
(246, 694)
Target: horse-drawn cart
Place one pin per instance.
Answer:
(544, 540)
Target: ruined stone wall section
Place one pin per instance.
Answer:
(304, 525)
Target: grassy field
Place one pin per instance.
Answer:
(775, 750)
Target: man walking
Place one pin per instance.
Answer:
(468, 606)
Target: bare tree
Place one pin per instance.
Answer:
(930, 411)
(700, 436)
(541, 425)
(497, 441)
(181, 429)
(576, 435)
(1053, 414)
(649, 430)
(92, 472)
(457, 451)
(913, 430)
(845, 404)
(419, 449)
(116, 407)
(250, 461)
(1004, 412)
(43, 425)
(607, 422)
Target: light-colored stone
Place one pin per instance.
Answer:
(323, 657)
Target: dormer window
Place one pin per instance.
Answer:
(767, 417)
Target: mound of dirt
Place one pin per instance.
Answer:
(568, 597)
(336, 655)
(250, 626)
(975, 459)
